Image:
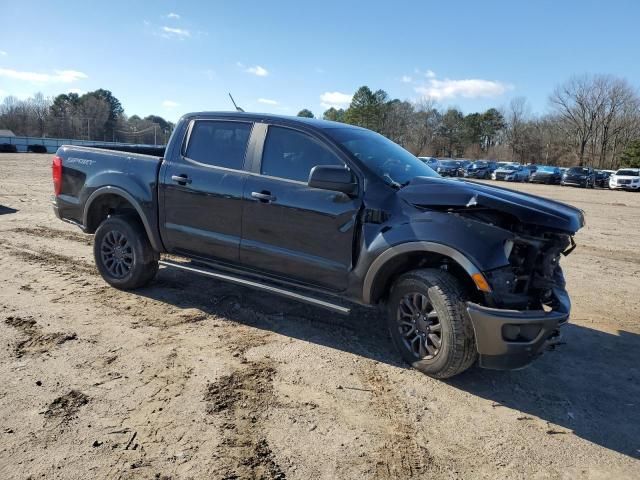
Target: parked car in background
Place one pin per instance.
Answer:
(430, 161)
(511, 173)
(625, 179)
(464, 165)
(584, 177)
(449, 168)
(546, 174)
(602, 178)
(481, 169)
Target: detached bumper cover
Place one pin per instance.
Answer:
(501, 347)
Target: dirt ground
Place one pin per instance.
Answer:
(193, 378)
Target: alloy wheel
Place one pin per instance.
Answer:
(419, 326)
(117, 254)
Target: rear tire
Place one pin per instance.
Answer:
(122, 252)
(429, 324)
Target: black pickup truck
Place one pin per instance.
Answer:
(332, 215)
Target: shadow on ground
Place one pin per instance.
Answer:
(6, 210)
(590, 385)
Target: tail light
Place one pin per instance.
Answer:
(56, 170)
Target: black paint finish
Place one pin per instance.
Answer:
(313, 236)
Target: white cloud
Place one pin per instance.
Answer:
(467, 88)
(169, 32)
(267, 101)
(173, 15)
(335, 99)
(257, 71)
(3, 53)
(59, 76)
(430, 74)
(170, 104)
(406, 79)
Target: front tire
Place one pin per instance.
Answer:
(429, 324)
(122, 252)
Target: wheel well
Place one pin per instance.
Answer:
(105, 205)
(404, 263)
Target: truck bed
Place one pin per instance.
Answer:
(87, 169)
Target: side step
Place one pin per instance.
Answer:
(262, 286)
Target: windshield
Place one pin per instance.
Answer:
(479, 164)
(576, 170)
(385, 158)
(509, 167)
(628, 173)
(547, 169)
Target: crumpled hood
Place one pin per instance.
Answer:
(440, 192)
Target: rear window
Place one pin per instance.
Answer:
(219, 143)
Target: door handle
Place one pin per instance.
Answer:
(181, 179)
(263, 196)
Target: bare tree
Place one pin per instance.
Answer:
(517, 115)
(580, 102)
(40, 106)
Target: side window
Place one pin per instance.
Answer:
(219, 143)
(291, 154)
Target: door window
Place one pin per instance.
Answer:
(291, 154)
(219, 143)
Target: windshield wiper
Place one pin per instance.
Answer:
(392, 183)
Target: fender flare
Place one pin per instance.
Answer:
(108, 189)
(409, 247)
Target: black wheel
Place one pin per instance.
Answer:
(429, 325)
(123, 254)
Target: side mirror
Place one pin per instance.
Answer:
(332, 177)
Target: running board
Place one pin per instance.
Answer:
(250, 283)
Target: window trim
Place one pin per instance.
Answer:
(257, 167)
(247, 151)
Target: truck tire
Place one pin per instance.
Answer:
(429, 324)
(123, 255)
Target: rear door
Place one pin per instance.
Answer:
(289, 229)
(201, 189)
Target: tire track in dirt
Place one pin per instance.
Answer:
(245, 395)
(48, 258)
(400, 456)
(42, 231)
(36, 341)
(241, 400)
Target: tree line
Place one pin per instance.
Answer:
(592, 120)
(96, 115)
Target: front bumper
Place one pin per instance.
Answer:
(580, 182)
(511, 339)
(476, 174)
(626, 186)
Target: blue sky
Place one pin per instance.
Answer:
(169, 57)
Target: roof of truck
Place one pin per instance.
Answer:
(269, 117)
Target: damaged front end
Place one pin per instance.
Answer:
(528, 301)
